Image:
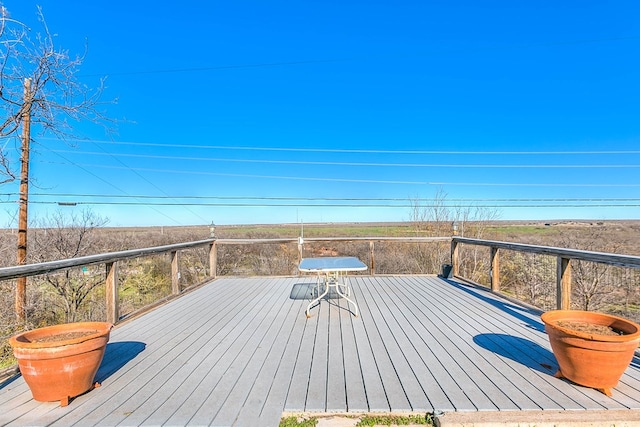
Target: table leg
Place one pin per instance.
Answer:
(332, 279)
(319, 297)
(341, 281)
(338, 286)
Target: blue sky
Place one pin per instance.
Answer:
(346, 110)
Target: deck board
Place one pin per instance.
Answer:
(356, 397)
(404, 391)
(317, 386)
(240, 351)
(489, 379)
(336, 382)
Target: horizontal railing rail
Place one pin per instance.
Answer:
(334, 239)
(111, 259)
(371, 264)
(630, 261)
(7, 273)
(564, 257)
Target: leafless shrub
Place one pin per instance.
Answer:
(143, 281)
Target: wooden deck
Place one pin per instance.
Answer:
(240, 351)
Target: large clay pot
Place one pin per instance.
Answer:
(590, 359)
(60, 362)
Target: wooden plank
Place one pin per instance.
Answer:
(7, 273)
(14, 393)
(168, 398)
(240, 350)
(373, 386)
(223, 368)
(492, 370)
(462, 320)
(387, 328)
(423, 362)
(237, 398)
(282, 381)
(297, 391)
(531, 340)
(630, 261)
(472, 319)
(178, 346)
(189, 376)
(265, 402)
(356, 397)
(112, 298)
(316, 398)
(395, 394)
(433, 358)
(28, 412)
(336, 391)
(442, 340)
(563, 284)
(165, 341)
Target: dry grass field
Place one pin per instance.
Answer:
(621, 235)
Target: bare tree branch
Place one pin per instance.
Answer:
(57, 97)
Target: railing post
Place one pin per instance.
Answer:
(111, 286)
(455, 264)
(213, 259)
(563, 284)
(372, 246)
(300, 249)
(495, 269)
(175, 273)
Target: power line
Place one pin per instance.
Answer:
(369, 181)
(146, 180)
(346, 199)
(363, 151)
(354, 202)
(336, 205)
(366, 164)
(365, 58)
(110, 184)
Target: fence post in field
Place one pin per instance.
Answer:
(213, 259)
(372, 246)
(495, 269)
(563, 284)
(455, 262)
(175, 273)
(111, 286)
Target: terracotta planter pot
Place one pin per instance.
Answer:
(60, 362)
(590, 359)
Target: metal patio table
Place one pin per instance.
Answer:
(331, 272)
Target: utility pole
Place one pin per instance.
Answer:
(21, 282)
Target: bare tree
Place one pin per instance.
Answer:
(69, 236)
(435, 219)
(56, 96)
(432, 219)
(592, 288)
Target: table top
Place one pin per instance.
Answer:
(332, 263)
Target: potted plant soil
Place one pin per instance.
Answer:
(592, 349)
(60, 362)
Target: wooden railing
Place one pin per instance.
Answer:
(110, 260)
(371, 262)
(563, 267)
